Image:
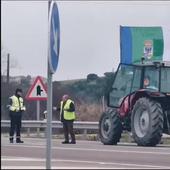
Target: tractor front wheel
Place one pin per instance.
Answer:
(110, 128)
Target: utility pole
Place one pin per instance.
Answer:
(8, 69)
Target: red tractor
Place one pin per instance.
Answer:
(139, 102)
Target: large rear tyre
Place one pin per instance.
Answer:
(147, 122)
(110, 128)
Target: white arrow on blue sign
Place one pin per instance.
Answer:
(54, 37)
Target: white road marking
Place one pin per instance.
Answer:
(56, 167)
(42, 142)
(96, 150)
(112, 150)
(4, 158)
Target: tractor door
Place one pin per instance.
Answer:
(136, 84)
(122, 85)
(165, 80)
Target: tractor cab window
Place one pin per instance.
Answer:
(165, 80)
(136, 85)
(121, 85)
(151, 78)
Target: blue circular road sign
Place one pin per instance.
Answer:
(54, 37)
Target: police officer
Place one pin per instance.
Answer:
(67, 116)
(16, 108)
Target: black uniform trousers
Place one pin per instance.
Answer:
(68, 129)
(15, 124)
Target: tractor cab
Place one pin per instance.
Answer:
(154, 77)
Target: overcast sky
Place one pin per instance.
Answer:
(89, 34)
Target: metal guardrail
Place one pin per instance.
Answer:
(55, 124)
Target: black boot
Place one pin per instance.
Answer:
(73, 142)
(19, 141)
(11, 140)
(65, 142)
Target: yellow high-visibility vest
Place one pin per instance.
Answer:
(17, 104)
(67, 115)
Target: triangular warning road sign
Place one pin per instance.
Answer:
(38, 90)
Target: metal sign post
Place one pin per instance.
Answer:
(49, 120)
(38, 110)
(49, 111)
(38, 115)
(53, 55)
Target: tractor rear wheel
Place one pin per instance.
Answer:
(110, 128)
(147, 122)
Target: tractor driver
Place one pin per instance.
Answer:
(147, 84)
(146, 81)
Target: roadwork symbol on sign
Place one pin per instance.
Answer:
(38, 90)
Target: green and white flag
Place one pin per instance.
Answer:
(147, 42)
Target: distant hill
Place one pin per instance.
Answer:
(70, 81)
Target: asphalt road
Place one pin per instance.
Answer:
(85, 154)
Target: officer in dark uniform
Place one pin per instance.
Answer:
(16, 108)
